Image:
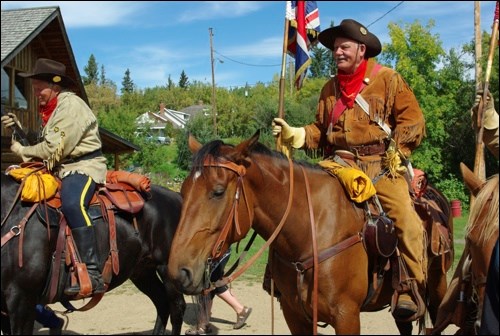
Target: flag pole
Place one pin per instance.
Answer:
(479, 165)
(281, 107)
(281, 104)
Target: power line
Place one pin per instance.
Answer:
(380, 18)
(248, 64)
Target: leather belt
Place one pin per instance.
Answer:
(87, 156)
(373, 149)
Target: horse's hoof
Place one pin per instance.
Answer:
(405, 307)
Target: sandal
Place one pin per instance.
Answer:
(199, 331)
(241, 318)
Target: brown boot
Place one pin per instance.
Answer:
(85, 242)
(405, 307)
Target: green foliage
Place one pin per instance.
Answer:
(454, 189)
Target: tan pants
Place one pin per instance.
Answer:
(396, 202)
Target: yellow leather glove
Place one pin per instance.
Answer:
(9, 120)
(392, 160)
(294, 135)
(17, 149)
(490, 115)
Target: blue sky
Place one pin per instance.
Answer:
(155, 39)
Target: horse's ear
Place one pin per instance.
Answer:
(193, 144)
(246, 146)
(472, 182)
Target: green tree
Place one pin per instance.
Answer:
(91, 71)
(183, 80)
(322, 64)
(170, 83)
(414, 52)
(127, 83)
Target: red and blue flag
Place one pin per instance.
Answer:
(303, 31)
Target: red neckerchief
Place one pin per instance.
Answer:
(46, 111)
(351, 83)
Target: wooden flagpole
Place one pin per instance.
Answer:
(479, 169)
(479, 160)
(281, 104)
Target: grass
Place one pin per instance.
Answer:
(255, 273)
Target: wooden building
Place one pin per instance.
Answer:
(28, 34)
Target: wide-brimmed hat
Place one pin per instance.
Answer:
(50, 71)
(353, 30)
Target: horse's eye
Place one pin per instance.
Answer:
(218, 191)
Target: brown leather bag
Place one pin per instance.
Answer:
(379, 236)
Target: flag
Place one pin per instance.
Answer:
(303, 31)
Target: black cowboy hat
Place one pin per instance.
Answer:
(353, 30)
(50, 71)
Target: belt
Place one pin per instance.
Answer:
(87, 156)
(373, 149)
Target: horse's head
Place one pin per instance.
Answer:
(217, 211)
(481, 229)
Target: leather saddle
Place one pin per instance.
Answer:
(119, 194)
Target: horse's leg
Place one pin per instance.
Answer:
(21, 310)
(176, 301)
(405, 328)
(437, 286)
(296, 322)
(147, 281)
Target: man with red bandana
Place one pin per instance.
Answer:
(369, 114)
(71, 148)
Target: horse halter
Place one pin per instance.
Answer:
(240, 170)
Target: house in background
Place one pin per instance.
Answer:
(29, 34)
(156, 122)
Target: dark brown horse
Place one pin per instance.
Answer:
(143, 250)
(232, 189)
(463, 302)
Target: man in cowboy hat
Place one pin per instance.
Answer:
(368, 116)
(70, 145)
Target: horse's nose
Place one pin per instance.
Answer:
(183, 279)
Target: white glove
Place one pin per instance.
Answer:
(295, 135)
(9, 120)
(490, 115)
(17, 149)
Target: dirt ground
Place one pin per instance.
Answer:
(126, 311)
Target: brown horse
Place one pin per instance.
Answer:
(232, 189)
(463, 301)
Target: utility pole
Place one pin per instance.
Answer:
(214, 109)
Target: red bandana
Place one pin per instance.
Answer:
(46, 111)
(351, 83)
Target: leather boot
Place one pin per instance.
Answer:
(85, 242)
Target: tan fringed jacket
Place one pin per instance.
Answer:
(389, 98)
(70, 133)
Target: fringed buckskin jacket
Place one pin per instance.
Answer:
(390, 100)
(70, 133)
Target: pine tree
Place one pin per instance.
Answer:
(91, 71)
(127, 83)
(170, 83)
(183, 80)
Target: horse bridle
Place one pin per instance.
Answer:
(240, 170)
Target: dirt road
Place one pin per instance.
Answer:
(125, 311)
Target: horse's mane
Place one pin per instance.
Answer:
(486, 200)
(213, 149)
